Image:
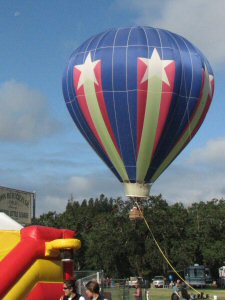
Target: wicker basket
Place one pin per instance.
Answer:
(135, 214)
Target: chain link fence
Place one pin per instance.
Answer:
(113, 289)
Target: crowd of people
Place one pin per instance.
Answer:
(180, 292)
(93, 292)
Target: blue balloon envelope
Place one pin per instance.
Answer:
(138, 95)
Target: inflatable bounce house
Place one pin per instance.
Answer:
(34, 261)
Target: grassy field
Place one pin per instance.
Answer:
(164, 294)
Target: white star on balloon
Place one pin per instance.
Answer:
(87, 71)
(155, 67)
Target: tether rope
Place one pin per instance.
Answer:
(164, 256)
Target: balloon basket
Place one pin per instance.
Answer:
(136, 214)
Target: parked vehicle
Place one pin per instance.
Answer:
(133, 280)
(158, 281)
(198, 275)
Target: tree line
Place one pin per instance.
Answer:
(122, 248)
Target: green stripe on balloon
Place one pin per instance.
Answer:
(102, 130)
(149, 127)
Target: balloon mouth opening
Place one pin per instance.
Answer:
(137, 190)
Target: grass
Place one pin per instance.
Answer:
(163, 294)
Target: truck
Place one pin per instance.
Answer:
(198, 275)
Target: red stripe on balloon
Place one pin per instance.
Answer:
(81, 98)
(198, 125)
(208, 103)
(192, 116)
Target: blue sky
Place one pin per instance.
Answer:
(41, 149)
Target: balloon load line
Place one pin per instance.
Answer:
(161, 251)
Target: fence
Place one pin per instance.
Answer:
(118, 288)
(82, 278)
(113, 289)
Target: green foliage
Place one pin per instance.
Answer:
(122, 248)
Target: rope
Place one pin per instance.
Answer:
(164, 256)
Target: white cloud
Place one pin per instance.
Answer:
(50, 203)
(24, 114)
(202, 22)
(211, 156)
(53, 194)
(198, 178)
(79, 184)
(92, 185)
(181, 184)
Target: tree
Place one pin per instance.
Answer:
(110, 241)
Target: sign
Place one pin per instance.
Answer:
(17, 204)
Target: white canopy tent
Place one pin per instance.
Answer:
(7, 223)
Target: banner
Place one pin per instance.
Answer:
(19, 205)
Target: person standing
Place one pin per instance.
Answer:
(70, 292)
(175, 295)
(184, 292)
(138, 294)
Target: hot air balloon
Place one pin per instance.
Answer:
(138, 95)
